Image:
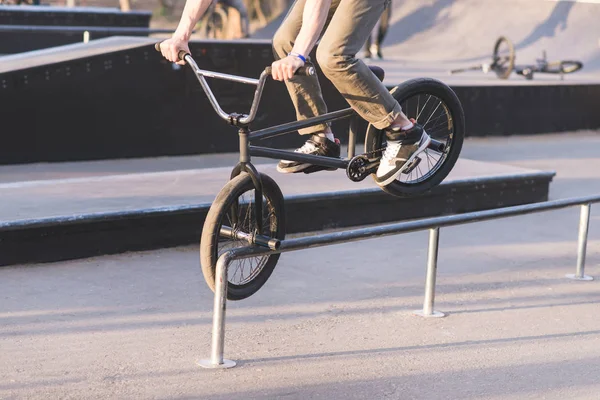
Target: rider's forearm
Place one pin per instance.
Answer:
(192, 12)
(313, 21)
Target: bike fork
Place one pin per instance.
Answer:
(246, 166)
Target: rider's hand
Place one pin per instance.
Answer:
(170, 49)
(285, 68)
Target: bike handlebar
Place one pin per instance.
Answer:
(182, 55)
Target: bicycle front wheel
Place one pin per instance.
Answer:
(436, 107)
(235, 207)
(504, 57)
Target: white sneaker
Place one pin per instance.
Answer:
(399, 154)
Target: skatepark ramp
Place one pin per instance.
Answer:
(464, 31)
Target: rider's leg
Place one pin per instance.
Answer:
(305, 93)
(348, 30)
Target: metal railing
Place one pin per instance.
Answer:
(433, 224)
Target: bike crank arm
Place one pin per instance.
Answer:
(251, 238)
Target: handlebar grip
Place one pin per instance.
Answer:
(180, 56)
(302, 71)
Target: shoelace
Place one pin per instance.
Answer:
(391, 150)
(306, 148)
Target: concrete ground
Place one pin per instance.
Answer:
(333, 322)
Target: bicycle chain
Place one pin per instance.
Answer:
(373, 152)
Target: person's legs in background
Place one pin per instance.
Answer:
(372, 49)
(240, 7)
(373, 44)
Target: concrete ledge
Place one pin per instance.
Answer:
(98, 233)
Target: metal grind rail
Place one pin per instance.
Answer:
(433, 224)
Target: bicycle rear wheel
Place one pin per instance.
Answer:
(503, 60)
(563, 67)
(435, 106)
(235, 207)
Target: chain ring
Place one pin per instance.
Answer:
(357, 167)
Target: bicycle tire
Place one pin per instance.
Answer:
(415, 87)
(563, 67)
(211, 247)
(503, 72)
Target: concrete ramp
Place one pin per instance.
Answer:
(464, 31)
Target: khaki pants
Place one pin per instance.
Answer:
(349, 24)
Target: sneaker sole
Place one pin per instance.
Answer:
(421, 148)
(291, 170)
(302, 168)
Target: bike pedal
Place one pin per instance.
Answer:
(412, 165)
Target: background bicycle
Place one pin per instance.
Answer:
(503, 63)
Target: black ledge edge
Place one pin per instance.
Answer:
(88, 235)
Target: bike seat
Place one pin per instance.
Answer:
(378, 71)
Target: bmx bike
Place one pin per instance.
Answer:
(503, 63)
(249, 210)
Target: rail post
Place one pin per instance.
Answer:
(584, 223)
(428, 311)
(220, 304)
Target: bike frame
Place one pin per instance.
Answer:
(242, 121)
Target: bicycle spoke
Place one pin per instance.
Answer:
(424, 105)
(419, 170)
(434, 111)
(438, 125)
(429, 159)
(434, 127)
(246, 224)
